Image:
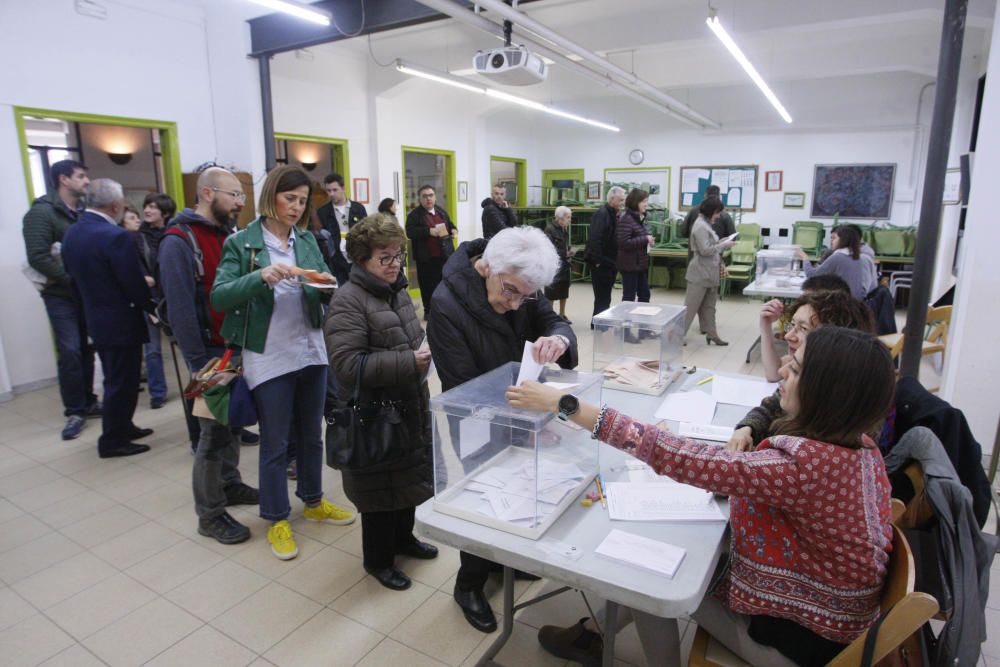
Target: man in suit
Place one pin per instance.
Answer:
(103, 262)
(337, 216)
(427, 226)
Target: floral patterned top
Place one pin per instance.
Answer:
(811, 521)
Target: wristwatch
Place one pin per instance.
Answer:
(569, 405)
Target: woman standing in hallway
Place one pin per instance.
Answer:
(704, 272)
(633, 247)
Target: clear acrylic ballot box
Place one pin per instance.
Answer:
(508, 468)
(779, 267)
(638, 346)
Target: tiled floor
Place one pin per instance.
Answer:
(100, 562)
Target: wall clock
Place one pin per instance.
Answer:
(636, 156)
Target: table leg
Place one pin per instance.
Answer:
(756, 344)
(660, 639)
(508, 619)
(610, 630)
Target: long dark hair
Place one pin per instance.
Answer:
(850, 238)
(846, 386)
(635, 197)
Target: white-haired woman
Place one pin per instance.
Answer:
(558, 232)
(487, 305)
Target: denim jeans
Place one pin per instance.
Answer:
(217, 458)
(153, 350)
(75, 355)
(297, 398)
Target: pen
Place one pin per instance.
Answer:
(600, 490)
(706, 380)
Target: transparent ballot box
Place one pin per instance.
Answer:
(779, 267)
(508, 468)
(637, 346)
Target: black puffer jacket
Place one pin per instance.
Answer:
(468, 338)
(370, 316)
(496, 219)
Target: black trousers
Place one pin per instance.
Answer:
(474, 572)
(428, 277)
(121, 366)
(602, 279)
(383, 534)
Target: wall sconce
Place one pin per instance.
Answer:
(309, 166)
(120, 158)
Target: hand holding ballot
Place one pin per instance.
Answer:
(548, 349)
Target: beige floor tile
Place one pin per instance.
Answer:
(21, 530)
(28, 478)
(217, 589)
(100, 476)
(205, 646)
(163, 499)
(266, 617)
(63, 580)
(130, 489)
(182, 519)
(390, 652)
(434, 572)
(13, 608)
(75, 656)
(103, 526)
(33, 640)
(136, 545)
(174, 566)
(75, 509)
(13, 462)
(8, 510)
(378, 607)
(261, 662)
(328, 638)
(522, 648)
(150, 630)
(27, 559)
(326, 576)
(87, 612)
(16, 436)
(259, 558)
(78, 460)
(351, 542)
(326, 533)
(439, 629)
(48, 493)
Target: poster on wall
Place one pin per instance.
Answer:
(858, 191)
(360, 190)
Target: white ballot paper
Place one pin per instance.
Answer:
(645, 310)
(653, 555)
(562, 386)
(637, 501)
(473, 434)
(530, 369)
(738, 391)
(705, 431)
(688, 406)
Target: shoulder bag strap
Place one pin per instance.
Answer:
(870, 639)
(357, 382)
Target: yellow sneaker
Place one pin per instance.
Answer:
(281, 540)
(327, 511)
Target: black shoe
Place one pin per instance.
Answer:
(392, 578)
(417, 549)
(130, 449)
(95, 409)
(157, 403)
(241, 494)
(249, 438)
(476, 609)
(139, 433)
(224, 529)
(574, 643)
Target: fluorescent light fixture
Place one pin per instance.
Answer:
(296, 9)
(720, 32)
(448, 80)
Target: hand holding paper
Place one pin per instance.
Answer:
(530, 369)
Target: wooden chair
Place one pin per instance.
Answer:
(935, 334)
(909, 611)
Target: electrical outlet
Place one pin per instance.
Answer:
(783, 233)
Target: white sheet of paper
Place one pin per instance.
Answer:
(731, 237)
(646, 475)
(473, 434)
(735, 178)
(720, 177)
(688, 199)
(689, 183)
(645, 310)
(530, 369)
(653, 555)
(705, 432)
(687, 406)
(629, 501)
(738, 391)
(560, 385)
(733, 197)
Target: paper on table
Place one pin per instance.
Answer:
(646, 475)
(705, 432)
(653, 555)
(687, 406)
(628, 501)
(738, 391)
(473, 434)
(645, 310)
(530, 369)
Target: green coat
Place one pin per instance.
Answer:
(239, 291)
(44, 224)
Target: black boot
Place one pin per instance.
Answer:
(476, 608)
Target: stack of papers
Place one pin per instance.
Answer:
(643, 374)
(740, 391)
(652, 555)
(510, 492)
(631, 501)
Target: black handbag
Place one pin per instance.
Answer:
(448, 246)
(362, 435)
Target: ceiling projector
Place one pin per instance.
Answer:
(512, 65)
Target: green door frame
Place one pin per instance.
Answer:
(169, 146)
(450, 184)
(340, 149)
(520, 175)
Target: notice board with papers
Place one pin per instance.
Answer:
(737, 185)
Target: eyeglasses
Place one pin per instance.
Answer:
(399, 258)
(512, 293)
(796, 327)
(238, 195)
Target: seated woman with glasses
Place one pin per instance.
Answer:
(372, 315)
(487, 306)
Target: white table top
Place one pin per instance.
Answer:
(586, 527)
(770, 289)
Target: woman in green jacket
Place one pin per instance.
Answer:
(276, 320)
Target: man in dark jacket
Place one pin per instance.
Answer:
(485, 309)
(44, 226)
(103, 262)
(337, 216)
(602, 249)
(723, 225)
(497, 213)
(216, 477)
(429, 228)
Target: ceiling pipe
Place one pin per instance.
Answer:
(525, 21)
(475, 20)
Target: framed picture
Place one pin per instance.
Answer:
(593, 190)
(360, 190)
(772, 181)
(463, 191)
(794, 200)
(952, 187)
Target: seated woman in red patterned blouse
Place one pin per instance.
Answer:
(809, 508)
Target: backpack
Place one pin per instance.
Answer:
(161, 318)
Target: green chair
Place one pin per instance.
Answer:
(890, 242)
(750, 231)
(808, 236)
(743, 261)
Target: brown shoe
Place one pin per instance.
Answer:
(574, 643)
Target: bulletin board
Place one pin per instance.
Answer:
(853, 191)
(737, 184)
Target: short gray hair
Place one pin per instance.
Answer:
(525, 252)
(103, 193)
(562, 212)
(615, 191)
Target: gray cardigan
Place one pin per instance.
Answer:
(706, 250)
(858, 273)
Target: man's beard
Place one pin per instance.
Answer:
(224, 217)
